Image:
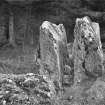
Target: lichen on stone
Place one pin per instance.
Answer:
(87, 49)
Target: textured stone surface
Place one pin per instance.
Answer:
(28, 18)
(35, 89)
(53, 49)
(87, 50)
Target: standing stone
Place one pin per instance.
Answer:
(87, 50)
(53, 49)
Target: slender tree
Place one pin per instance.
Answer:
(11, 28)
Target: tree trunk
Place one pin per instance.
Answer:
(11, 29)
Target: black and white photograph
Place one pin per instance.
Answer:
(52, 52)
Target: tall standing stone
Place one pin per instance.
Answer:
(87, 50)
(53, 49)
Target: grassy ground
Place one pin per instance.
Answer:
(18, 61)
(19, 88)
